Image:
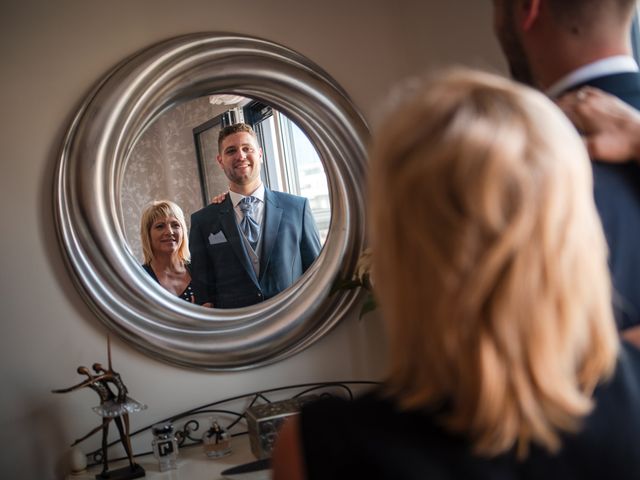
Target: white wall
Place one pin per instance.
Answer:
(52, 52)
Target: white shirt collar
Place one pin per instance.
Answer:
(599, 68)
(236, 198)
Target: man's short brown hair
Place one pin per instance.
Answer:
(584, 13)
(235, 128)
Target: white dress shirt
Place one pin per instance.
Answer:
(599, 68)
(258, 207)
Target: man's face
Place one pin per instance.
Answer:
(504, 25)
(240, 158)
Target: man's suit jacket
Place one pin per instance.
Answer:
(222, 272)
(617, 196)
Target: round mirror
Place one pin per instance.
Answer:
(94, 186)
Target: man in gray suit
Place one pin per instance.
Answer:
(256, 242)
(560, 46)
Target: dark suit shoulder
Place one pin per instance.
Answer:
(283, 198)
(617, 196)
(212, 209)
(624, 85)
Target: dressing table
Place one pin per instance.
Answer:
(193, 464)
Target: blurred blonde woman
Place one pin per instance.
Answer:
(492, 278)
(163, 232)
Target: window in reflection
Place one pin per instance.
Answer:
(292, 164)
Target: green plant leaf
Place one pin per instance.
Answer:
(345, 285)
(369, 305)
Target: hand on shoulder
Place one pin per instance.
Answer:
(219, 198)
(609, 126)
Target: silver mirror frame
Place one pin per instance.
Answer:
(88, 211)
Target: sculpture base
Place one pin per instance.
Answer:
(124, 473)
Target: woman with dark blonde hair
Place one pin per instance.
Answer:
(492, 278)
(163, 232)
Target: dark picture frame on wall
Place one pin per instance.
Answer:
(205, 137)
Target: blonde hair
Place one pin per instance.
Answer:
(152, 213)
(490, 262)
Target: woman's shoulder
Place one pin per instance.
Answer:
(366, 438)
(370, 413)
(338, 411)
(373, 400)
(361, 405)
(147, 268)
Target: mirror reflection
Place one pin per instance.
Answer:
(243, 250)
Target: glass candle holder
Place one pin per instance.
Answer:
(216, 441)
(165, 446)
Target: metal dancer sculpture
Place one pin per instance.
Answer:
(113, 406)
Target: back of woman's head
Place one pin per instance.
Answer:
(154, 211)
(490, 261)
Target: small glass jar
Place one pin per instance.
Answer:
(216, 441)
(165, 446)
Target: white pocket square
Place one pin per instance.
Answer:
(215, 238)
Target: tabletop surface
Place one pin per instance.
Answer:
(192, 463)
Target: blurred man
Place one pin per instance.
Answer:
(562, 45)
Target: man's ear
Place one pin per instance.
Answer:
(219, 160)
(530, 13)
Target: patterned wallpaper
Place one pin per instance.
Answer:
(163, 166)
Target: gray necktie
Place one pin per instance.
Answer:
(249, 226)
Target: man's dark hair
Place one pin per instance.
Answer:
(235, 128)
(575, 14)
